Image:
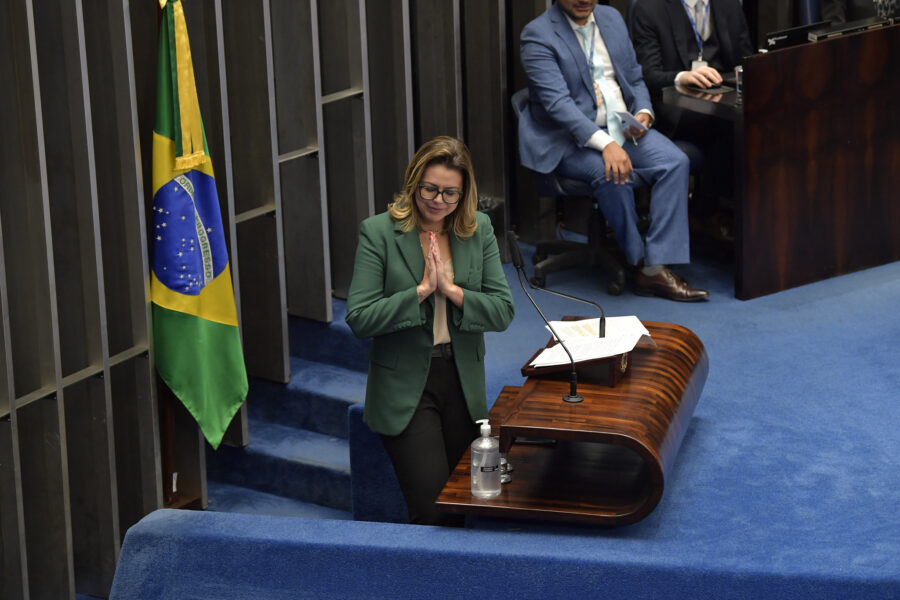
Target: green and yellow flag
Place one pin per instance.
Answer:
(197, 344)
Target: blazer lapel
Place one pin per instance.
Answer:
(462, 258)
(411, 251)
(562, 28)
(686, 47)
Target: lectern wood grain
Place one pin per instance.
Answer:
(604, 460)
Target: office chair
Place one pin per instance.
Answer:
(555, 255)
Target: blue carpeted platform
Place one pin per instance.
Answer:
(236, 499)
(213, 556)
(786, 485)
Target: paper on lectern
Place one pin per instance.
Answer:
(581, 337)
(615, 326)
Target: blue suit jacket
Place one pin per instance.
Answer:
(562, 104)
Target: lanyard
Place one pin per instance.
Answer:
(694, 26)
(591, 59)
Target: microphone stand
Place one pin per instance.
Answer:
(573, 396)
(601, 325)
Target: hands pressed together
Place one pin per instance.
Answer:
(435, 277)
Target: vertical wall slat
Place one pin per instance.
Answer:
(78, 281)
(45, 497)
(13, 563)
(436, 69)
(137, 446)
(134, 427)
(347, 136)
(486, 106)
(95, 524)
(297, 93)
(247, 38)
(34, 331)
(390, 96)
(71, 182)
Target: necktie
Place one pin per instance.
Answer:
(613, 122)
(701, 19)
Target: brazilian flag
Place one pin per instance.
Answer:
(196, 341)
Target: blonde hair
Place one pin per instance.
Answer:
(452, 154)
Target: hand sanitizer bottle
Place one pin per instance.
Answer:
(485, 464)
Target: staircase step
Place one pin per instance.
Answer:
(224, 497)
(332, 343)
(285, 461)
(317, 397)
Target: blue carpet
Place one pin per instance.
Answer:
(791, 461)
(316, 398)
(287, 461)
(215, 556)
(234, 499)
(786, 485)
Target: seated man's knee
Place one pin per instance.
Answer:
(683, 161)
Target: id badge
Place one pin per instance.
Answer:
(696, 64)
(598, 93)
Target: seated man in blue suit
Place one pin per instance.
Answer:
(582, 71)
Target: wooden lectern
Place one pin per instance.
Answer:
(604, 460)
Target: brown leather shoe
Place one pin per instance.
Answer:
(668, 285)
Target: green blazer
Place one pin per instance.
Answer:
(382, 304)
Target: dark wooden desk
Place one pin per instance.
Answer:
(606, 459)
(817, 147)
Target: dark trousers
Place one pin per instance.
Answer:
(715, 138)
(426, 452)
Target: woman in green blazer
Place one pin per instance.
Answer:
(427, 283)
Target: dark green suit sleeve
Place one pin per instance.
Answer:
(487, 301)
(373, 310)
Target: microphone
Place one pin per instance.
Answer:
(519, 264)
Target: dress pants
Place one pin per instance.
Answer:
(660, 164)
(715, 139)
(426, 452)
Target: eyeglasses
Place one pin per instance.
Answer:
(429, 192)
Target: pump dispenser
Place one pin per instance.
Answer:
(485, 463)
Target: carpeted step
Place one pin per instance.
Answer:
(224, 497)
(317, 397)
(331, 343)
(285, 461)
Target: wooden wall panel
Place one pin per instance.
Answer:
(307, 256)
(437, 69)
(347, 163)
(92, 492)
(136, 439)
(71, 183)
(299, 116)
(390, 96)
(45, 493)
(247, 39)
(13, 567)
